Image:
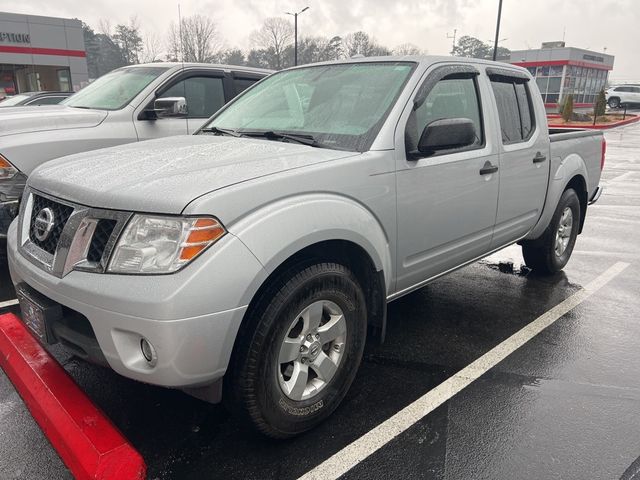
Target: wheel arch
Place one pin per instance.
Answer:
(352, 256)
(570, 173)
(345, 252)
(579, 185)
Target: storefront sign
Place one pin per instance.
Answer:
(6, 37)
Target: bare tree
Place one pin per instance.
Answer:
(274, 35)
(104, 26)
(408, 49)
(200, 40)
(361, 43)
(151, 48)
(174, 50)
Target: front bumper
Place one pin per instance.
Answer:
(191, 317)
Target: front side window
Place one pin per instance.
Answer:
(115, 89)
(449, 98)
(515, 111)
(204, 95)
(340, 106)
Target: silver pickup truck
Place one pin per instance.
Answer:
(133, 103)
(248, 262)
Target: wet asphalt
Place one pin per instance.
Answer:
(566, 405)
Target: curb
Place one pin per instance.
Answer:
(631, 119)
(86, 440)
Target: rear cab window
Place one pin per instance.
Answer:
(515, 106)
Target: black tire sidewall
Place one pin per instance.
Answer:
(568, 199)
(283, 416)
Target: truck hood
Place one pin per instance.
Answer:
(15, 120)
(164, 175)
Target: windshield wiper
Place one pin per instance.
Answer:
(221, 131)
(303, 138)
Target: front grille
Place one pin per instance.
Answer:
(79, 238)
(101, 237)
(61, 214)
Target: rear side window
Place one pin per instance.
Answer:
(241, 84)
(513, 99)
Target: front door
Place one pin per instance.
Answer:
(204, 94)
(446, 207)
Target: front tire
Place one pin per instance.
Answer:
(552, 251)
(300, 350)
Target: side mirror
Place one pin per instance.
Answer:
(445, 134)
(170, 107)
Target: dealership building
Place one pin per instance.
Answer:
(41, 53)
(561, 70)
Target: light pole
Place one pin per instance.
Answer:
(495, 44)
(295, 33)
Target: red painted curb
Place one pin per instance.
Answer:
(86, 440)
(633, 118)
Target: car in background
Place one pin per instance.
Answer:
(34, 99)
(130, 104)
(623, 95)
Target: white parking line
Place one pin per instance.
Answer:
(370, 442)
(9, 303)
(601, 253)
(623, 176)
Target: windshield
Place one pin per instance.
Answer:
(115, 89)
(15, 100)
(340, 106)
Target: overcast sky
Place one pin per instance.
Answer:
(588, 24)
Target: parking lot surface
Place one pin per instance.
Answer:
(562, 405)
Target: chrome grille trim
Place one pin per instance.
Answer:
(75, 239)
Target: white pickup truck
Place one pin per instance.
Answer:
(248, 261)
(127, 105)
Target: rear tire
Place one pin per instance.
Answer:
(614, 102)
(300, 350)
(552, 251)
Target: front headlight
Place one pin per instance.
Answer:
(159, 244)
(7, 170)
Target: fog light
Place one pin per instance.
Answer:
(148, 352)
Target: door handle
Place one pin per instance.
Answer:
(488, 168)
(539, 158)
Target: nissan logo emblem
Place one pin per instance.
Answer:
(43, 224)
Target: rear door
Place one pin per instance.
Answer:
(524, 152)
(446, 207)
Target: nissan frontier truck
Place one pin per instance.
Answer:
(250, 261)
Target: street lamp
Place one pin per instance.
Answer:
(295, 34)
(495, 44)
